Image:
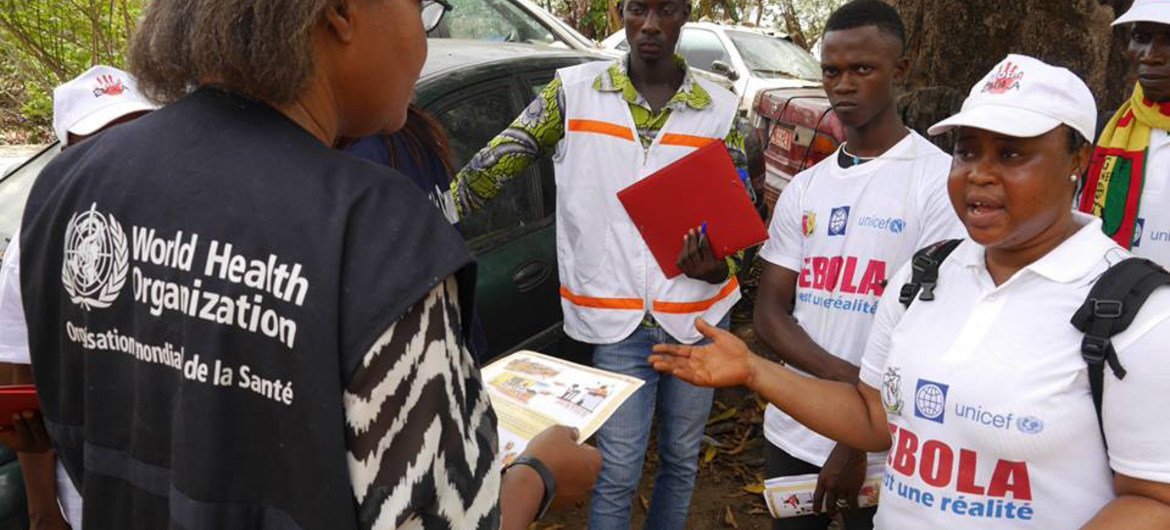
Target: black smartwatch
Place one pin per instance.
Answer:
(546, 476)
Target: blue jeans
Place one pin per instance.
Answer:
(682, 415)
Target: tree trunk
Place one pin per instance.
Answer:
(953, 43)
(1120, 78)
(792, 24)
(613, 19)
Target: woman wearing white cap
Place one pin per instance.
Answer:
(981, 395)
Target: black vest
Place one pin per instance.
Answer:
(200, 286)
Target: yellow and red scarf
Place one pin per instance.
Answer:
(1113, 190)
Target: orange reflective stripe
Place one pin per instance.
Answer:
(601, 127)
(685, 140)
(601, 303)
(697, 307)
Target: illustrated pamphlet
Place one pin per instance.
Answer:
(793, 496)
(531, 392)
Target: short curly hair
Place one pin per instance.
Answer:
(861, 13)
(259, 48)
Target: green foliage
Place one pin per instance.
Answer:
(48, 42)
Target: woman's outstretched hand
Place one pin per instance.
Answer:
(727, 361)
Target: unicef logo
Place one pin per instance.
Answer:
(96, 261)
(1030, 425)
(897, 226)
(930, 400)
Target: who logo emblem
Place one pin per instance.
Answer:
(96, 260)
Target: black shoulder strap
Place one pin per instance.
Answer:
(1112, 304)
(924, 271)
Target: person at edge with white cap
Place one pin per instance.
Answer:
(1128, 184)
(981, 394)
(98, 99)
(839, 229)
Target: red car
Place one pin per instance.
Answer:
(800, 129)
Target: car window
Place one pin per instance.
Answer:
(701, 48)
(569, 32)
(492, 20)
(472, 118)
(772, 56)
(14, 190)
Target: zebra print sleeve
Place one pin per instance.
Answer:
(420, 431)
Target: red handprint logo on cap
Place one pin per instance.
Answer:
(1006, 78)
(108, 85)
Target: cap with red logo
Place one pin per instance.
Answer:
(94, 99)
(1025, 97)
(1157, 11)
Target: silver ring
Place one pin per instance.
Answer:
(842, 504)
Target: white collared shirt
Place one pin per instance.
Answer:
(988, 397)
(13, 329)
(1152, 234)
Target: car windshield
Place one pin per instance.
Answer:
(492, 20)
(771, 55)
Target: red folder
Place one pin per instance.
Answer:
(702, 187)
(16, 399)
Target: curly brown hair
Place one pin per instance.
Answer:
(259, 48)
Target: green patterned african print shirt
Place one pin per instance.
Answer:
(538, 130)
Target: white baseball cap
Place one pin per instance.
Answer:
(92, 100)
(1146, 11)
(1024, 97)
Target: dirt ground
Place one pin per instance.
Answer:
(728, 491)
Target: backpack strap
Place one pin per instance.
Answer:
(1112, 304)
(924, 271)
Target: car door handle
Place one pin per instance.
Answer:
(530, 275)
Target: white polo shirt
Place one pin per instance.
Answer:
(14, 350)
(13, 330)
(988, 397)
(845, 230)
(1152, 234)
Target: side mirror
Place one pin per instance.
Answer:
(724, 69)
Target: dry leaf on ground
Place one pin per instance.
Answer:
(729, 518)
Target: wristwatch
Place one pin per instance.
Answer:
(546, 476)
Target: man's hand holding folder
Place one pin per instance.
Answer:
(21, 426)
(698, 261)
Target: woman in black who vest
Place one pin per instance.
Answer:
(234, 326)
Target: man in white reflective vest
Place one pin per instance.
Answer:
(607, 125)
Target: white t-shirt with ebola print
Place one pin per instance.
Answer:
(845, 230)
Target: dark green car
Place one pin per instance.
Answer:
(475, 89)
